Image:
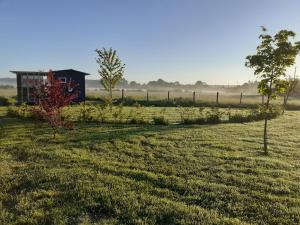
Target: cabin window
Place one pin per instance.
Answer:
(70, 88)
(63, 80)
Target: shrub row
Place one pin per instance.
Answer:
(4, 101)
(188, 115)
(181, 102)
(256, 115)
(22, 111)
(176, 102)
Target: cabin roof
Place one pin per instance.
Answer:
(42, 73)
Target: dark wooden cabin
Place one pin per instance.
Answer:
(25, 82)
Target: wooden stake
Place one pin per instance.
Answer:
(147, 97)
(241, 97)
(122, 95)
(194, 97)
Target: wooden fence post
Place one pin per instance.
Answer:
(241, 97)
(217, 100)
(122, 95)
(168, 95)
(194, 97)
(147, 97)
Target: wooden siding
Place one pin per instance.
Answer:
(19, 88)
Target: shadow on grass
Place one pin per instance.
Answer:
(94, 133)
(90, 132)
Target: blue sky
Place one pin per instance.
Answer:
(177, 40)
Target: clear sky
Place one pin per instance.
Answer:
(177, 40)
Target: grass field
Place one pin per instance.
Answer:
(11, 92)
(134, 174)
(200, 96)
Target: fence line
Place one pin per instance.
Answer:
(193, 96)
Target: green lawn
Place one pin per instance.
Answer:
(134, 174)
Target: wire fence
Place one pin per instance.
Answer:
(194, 96)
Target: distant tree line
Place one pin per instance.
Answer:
(161, 84)
(6, 86)
(8, 81)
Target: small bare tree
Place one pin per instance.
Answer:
(291, 84)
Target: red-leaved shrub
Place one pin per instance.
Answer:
(52, 96)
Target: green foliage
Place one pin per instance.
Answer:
(270, 112)
(110, 69)
(102, 113)
(191, 115)
(214, 116)
(186, 114)
(118, 114)
(136, 115)
(273, 112)
(239, 118)
(4, 101)
(22, 111)
(160, 119)
(86, 112)
(181, 102)
(274, 55)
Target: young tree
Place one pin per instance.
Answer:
(291, 84)
(111, 69)
(52, 97)
(274, 55)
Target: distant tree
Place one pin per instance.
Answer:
(134, 84)
(274, 55)
(111, 69)
(200, 83)
(159, 83)
(176, 83)
(123, 83)
(291, 84)
(52, 97)
(6, 86)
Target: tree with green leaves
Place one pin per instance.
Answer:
(111, 69)
(274, 55)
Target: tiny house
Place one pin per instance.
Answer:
(26, 81)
